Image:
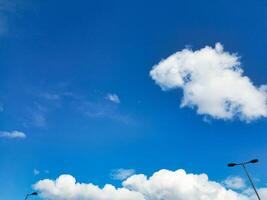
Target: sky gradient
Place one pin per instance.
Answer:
(75, 90)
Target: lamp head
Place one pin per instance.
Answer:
(231, 164)
(254, 161)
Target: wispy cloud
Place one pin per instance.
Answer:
(45, 103)
(36, 115)
(102, 109)
(39, 119)
(121, 174)
(113, 98)
(12, 135)
(234, 182)
(36, 172)
(213, 82)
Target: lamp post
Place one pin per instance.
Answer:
(243, 165)
(31, 194)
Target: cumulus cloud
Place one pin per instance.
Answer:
(12, 135)
(121, 174)
(234, 182)
(162, 185)
(213, 82)
(65, 187)
(113, 98)
(262, 193)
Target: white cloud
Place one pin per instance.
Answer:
(234, 182)
(113, 98)
(262, 192)
(121, 174)
(12, 134)
(162, 185)
(251, 193)
(36, 172)
(178, 185)
(65, 187)
(212, 81)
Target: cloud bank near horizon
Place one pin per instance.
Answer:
(213, 82)
(162, 185)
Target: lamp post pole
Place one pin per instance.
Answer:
(243, 164)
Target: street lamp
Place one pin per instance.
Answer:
(31, 194)
(243, 164)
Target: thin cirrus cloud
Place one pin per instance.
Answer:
(38, 119)
(35, 115)
(38, 172)
(162, 185)
(103, 109)
(213, 82)
(121, 174)
(12, 134)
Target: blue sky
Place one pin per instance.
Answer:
(61, 61)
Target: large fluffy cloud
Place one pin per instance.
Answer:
(162, 185)
(212, 81)
(65, 187)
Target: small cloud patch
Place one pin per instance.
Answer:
(234, 182)
(36, 172)
(113, 98)
(121, 174)
(12, 135)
